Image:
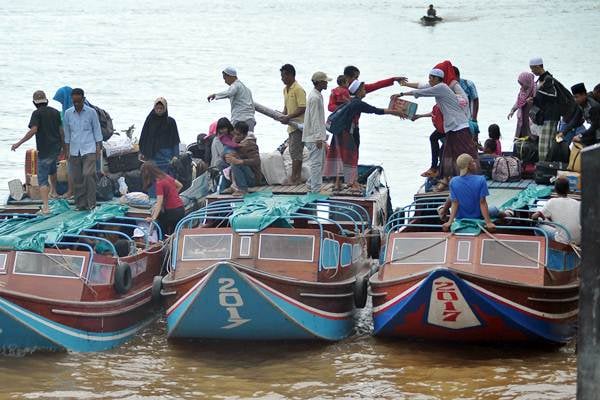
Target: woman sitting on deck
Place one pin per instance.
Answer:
(169, 208)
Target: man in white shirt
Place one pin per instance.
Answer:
(314, 134)
(242, 105)
(564, 211)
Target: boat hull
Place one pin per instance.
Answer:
(444, 305)
(228, 301)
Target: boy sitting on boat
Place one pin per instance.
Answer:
(245, 162)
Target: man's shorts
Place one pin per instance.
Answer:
(46, 167)
(295, 144)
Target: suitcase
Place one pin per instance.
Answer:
(31, 162)
(487, 164)
(124, 162)
(133, 179)
(545, 171)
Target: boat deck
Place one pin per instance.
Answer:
(326, 189)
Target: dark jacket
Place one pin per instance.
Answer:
(592, 134)
(554, 99)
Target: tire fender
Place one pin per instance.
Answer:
(360, 290)
(156, 289)
(374, 244)
(123, 278)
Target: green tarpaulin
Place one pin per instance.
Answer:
(527, 197)
(262, 209)
(23, 233)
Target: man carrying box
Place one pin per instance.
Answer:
(45, 124)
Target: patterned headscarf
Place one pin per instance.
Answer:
(527, 81)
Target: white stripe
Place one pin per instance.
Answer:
(521, 307)
(401, 295)
(56, 327)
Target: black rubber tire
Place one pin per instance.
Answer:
(360, 291)
(156, 289)
(374, 245)
(123, 278)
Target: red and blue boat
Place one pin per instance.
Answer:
(514, 285)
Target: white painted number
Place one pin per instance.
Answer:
(230, 299)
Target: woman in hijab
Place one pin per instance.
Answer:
(342, 156)
(527, 82)
(159, 140)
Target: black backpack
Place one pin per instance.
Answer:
(526, 150)
(181, 166)
(106, 124)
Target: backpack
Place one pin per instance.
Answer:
(106, 125)
(181, 166)
(105, 189)
(559, 152)
(526, 150)
(341, 118)
(506, 169)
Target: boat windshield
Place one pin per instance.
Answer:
(286, 247)
(66, 266)
(207, 247)
(2, 262)
(411, 250)
(511, 253)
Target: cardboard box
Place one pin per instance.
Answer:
(34, 192)
(408, 109)
(574, 179)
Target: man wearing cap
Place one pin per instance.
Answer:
(574, 127)
(468, 194)
(46, 125)
(314, 133)
(294, 98)
(242, 105)
(554, 100)
(83, 142)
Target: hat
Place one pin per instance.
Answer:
(138, 233)
(230, 71)
(320, 77)
(354, 86)
(536, 61)
(462, 162)
(578, 88)
(437, 72)
(39, 97)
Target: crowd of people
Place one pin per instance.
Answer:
(559, 113)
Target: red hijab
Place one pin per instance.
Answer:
(449, 74)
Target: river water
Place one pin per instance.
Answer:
(126, 53)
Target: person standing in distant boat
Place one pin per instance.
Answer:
(159, 140)
(83, 144)
(46, 125)
(314, 134)
(242, 105)
(294, 107)
(431, 11)
(526, 81)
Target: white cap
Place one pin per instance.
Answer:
(437, 72)
(354, 86)
(536, 61)
(138, 233)
(230, 71)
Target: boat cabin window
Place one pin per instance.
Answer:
(286, 247)
(245, 242)
(356, 252)
(463, 251)
(66, 266)
(346, 255)
(330, 254)
(207, 247)
(506, 253)
(419, 251)
(100, 274)
(2, 263)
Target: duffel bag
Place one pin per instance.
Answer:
(545, 171)
(526, 150)
(506, 169)
(124, 162)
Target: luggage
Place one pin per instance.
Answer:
(536, 115)
(105, 189)
(526, 150)
(124, 162)
(487, 164)
(341, 118)
(575, 158)
(545, 171)
(273, 168)
(133, 180)
(31, 162)
(181, 166)
(506, 169)
(559, 152)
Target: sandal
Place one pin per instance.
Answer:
(430, 173)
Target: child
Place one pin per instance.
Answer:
(490, 147)
(494, 134)
(340, 94)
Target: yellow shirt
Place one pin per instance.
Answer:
(294, 98)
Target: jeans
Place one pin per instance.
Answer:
(434, 140)
(572, 133)
(46, 168)
(243, 176)
(316, 158)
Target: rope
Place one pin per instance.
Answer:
(501, 243)
(66, 266)
(419, 251)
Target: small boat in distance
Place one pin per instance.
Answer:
(427, 20)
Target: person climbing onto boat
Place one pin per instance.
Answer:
(526, 82)
(434, 140)
(342, 156)
(169, 207)
(245, 162)
(240, 97)
(159, 140)
(456, 122)
(564, 211)
(468, 194)
(46, 125)
(294, 98)
(431, 12)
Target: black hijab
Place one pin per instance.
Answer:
(159, 132)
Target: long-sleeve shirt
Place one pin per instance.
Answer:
(314, 118)
(242, 105)
(337, 97)
(82, 130)
(248, 152)
(455, 117)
